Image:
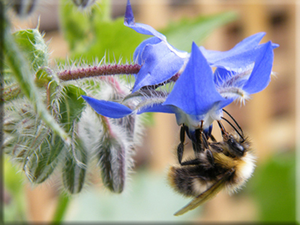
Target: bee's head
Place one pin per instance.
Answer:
(235, 146)
(235, 143)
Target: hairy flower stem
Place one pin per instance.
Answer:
(92, 71)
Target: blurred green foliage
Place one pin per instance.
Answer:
(273, 187)
(95, 35)
(197, 29)
(15, 209)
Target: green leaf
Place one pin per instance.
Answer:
(71, 105)
(181, 34)
(32, 43)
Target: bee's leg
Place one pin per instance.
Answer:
(197, 146)
(210, 157)
(195, 161)
(180, 147)
(203, 141)
(200, 144)
(208, 152)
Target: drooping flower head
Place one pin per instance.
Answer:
(160, 60)
(155, 54)
(199, 94)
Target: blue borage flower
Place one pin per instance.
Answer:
(199, 94)
(160, 60)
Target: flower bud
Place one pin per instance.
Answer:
(74, 168)
(112, 162)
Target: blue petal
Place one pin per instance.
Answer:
(107, 108)
(194, 92)
(248, 43)
(137, 56)
(158, 108)
(138, 27)
(217, 57)
(159, 63)
(260, 76)
(240, 56)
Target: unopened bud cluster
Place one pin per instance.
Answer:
(94, 138)
(48, 127)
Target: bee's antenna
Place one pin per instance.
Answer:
(236, 123)
(221, 127)
(233, 128)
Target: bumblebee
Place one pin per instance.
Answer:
(217, 165)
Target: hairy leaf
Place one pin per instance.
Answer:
(31, 42)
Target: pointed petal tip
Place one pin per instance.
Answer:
(274, 45)
(196, 53)
(135, 88)
(129, 17)
(262, 34)
(194, 46)
(261, 73)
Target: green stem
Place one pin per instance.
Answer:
(62, 206)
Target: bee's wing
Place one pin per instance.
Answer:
(206, 195)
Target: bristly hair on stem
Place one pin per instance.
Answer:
(93, 71)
